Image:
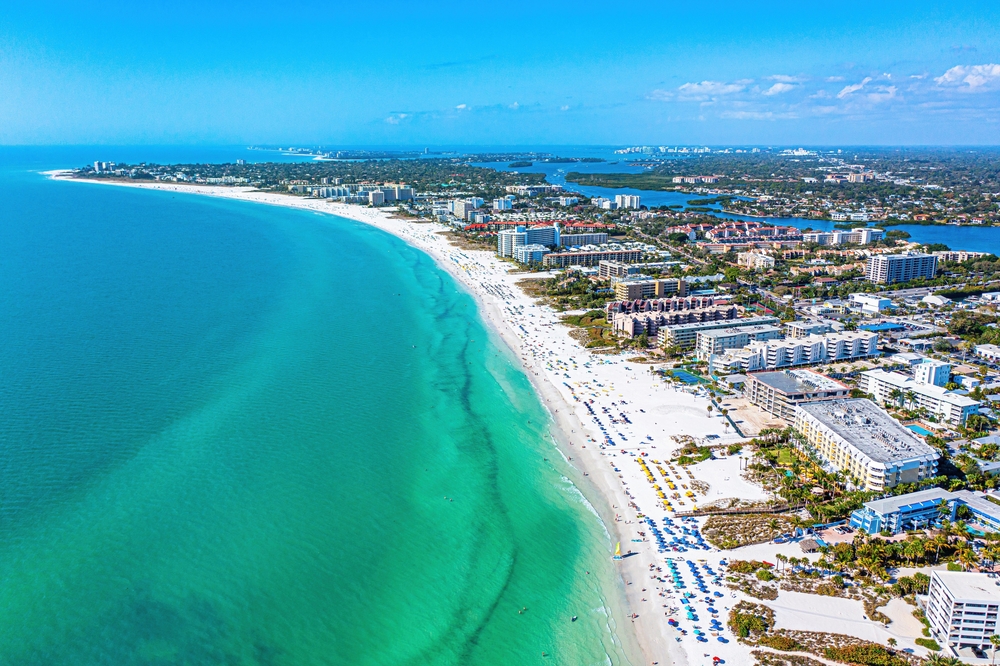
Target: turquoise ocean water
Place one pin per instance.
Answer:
(238, 434)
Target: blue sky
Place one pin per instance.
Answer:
(396, 73)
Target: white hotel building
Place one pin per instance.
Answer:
(950, 407)
(962, 609)
(790, 352)
(857, 437)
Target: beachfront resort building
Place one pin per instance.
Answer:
(962, 609)
(530, 254)
(508, 239)
(925, 508)
(684, 336)
(893, 268)
(859, 438)
(894, 388)
(779, 393)
(912, 511)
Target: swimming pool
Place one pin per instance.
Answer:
(920, 430)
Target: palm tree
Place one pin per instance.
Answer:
(869, 564)
(995, 642)
(936, 659)
(993, 553)
(939, 540)
(967, 557)
(910, 398)
(913, 549)
(897, 396)
(929, 547)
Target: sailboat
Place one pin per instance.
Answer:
(618, 551)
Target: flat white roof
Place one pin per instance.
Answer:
(870, 429)
(969, 586)
(909, 384)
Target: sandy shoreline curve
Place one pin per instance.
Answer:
(564, 375)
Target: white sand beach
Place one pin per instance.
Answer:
(607, 412)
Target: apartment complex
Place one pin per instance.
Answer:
(589, 257)
(573, 240)
(684, 336)
(804, 328)
(779, 393)
(962, 608)
(893, 268)
(530, 254)
(711, 343)
(647, 288)
(898, 389)
(857, 437)
(650, 322)
(790, 352)
(755, 260)
(934, 373)
(958, 256)
(673, 304)
(626, 201)
(861, 236)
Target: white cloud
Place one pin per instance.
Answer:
(564, 107)
(883, 93)
(661, 95)
(706, 89)
(784, 78)
(514, 106)
(779, 88)
(832, 79)
(853, 88)
(395, 118)
(462, 107)
(975, 78)
(756, 115)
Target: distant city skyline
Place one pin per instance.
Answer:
(309, 73)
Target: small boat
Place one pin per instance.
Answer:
(573, 619)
